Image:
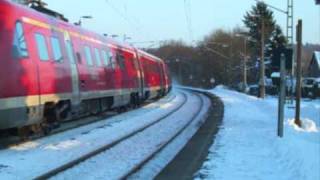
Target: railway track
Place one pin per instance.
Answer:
(7, 140)
(51, 173)
(160, 148)
(76, 163)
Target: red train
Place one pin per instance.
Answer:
(54, 71)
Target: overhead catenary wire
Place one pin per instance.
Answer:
(188, 16)
(218, 53)
(134, 23)
(122, 15)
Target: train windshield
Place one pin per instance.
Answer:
(19, 49)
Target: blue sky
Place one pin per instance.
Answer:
(151, 20)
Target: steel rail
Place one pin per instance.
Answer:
(149, 158)
(73, 163)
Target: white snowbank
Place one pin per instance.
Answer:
(247, 146)
(307, 125)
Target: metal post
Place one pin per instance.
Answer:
(298, 86)
(245, 82)
(290, 42)
(262, 65)
(180, 74)
(282, 95)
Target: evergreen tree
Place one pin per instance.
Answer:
(254, 20)
(277, 40)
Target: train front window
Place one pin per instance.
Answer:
(19, 49)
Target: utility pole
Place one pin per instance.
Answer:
(290, 42)
(282, 94)
(290, 23)
(245, 81)
(262, 65)
(298, 86)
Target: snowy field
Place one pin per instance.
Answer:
(247, 146)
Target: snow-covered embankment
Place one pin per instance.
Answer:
(247, 146)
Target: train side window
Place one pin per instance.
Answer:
(97, 55)
(79, 57)
(112, 60)
(104, 57)
(42, 47)
(56, 49)
(19, 42)
(70, 52)
(120, 60)
(87, 51)
(107, 58)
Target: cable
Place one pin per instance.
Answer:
(187, 10)
(124, 17)
(218, 53)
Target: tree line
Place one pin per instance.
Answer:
(219, 57)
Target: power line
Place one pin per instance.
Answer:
(218, 53)
(187, 10)
(122, 15)
(273, 7)
(125, 17)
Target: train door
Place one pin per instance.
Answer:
(55, 84)
(107, 57)
(83, 72)
(140, 75)
(122, 68)
(73, 69)
(162, 79)
(120, 72)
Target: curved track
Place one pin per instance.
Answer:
(67, 170)
(75, 162)
(160, 148)
(119, 147)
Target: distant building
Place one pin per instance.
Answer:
(314, 67)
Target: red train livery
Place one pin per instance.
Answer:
(54, 71)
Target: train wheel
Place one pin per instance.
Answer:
(52, 118)
(135, 101)
(24, 133)
(36, 129)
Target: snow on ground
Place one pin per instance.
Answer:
(162, 159)
(247, 146)
(120, 159)
(28, 160)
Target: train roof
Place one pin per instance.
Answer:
(143, 53)
(53, 21)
